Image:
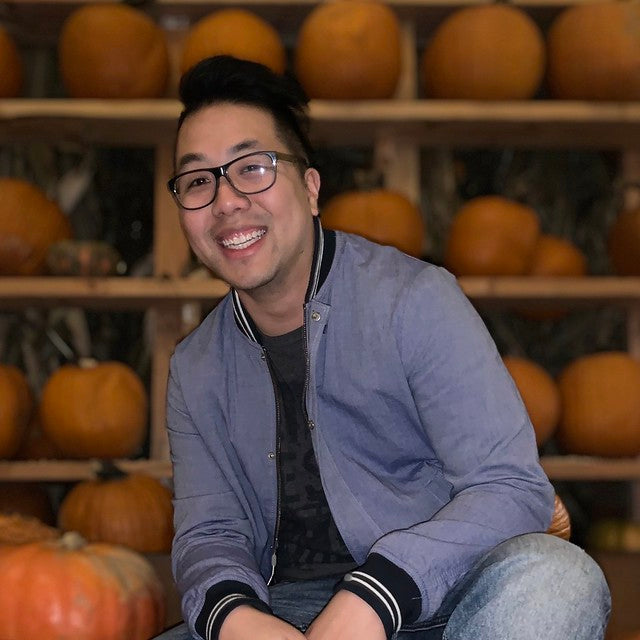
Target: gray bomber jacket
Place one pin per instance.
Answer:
(425, 450)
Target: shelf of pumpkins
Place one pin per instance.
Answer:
(409, 120)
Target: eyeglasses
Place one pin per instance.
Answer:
(249, 174)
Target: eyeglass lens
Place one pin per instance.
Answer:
(249, 174)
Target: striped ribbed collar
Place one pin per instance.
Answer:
(323, 252)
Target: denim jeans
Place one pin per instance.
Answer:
(532, 587)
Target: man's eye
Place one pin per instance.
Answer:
(198, 181)
(253, 168)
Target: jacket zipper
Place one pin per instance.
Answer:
(276, 530)
(307, 361)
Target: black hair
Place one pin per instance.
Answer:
(221, 79)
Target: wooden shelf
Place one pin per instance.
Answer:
(141, 293)
(533, 123)
(578, 468)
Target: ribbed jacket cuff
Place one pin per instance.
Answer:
(220, 601)
(389, 590)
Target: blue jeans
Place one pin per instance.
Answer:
(532, 587)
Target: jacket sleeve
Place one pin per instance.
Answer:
(212, 561)
(479, 429)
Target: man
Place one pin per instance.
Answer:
(351, 459)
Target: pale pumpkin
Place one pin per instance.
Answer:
(234, 32)
(489, 52)
(11, 67)
(349, 49)
(560, 521)
(539, 393)
(492, 236)
(29, 224)
(16, 407)
(66, 589)
(27, 499)
(623, 243)
(132, 510)
(112, 51)
(94, 410)
(600, 395)
(594, 52)
(381, 215)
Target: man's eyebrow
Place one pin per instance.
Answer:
(245, 145)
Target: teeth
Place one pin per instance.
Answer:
(242, 240)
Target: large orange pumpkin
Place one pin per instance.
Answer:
(112, 51)
(381, 215)
(235, 32)
(624, 243)
(600, 396)
(11, 67)
(489, 52)
(594, 52)
(349, 49)
(132, 510)
(94, 410)
(66, 589)
(29, 224)
(16, 406)
(539, 393)
(492, 235)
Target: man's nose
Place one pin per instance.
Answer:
(228, 201)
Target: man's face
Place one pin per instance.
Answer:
(260, 242)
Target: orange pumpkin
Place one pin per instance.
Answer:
(16, 406)
(492, 235)
(94, 410)
(489, 52)
(594, 52)
(78, 591)
(235, 32)
(539, 393)
(349, 49)
(11, 67)
(560, 521)
(112, 51)
(27, 499)
(624, 243)
(35, 444)
(132, 510)
(380, 215)
(600, 395)
(29, 224)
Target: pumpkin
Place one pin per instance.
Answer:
(349, 49)
(94, 410)
(35, 444)
(11, 67)
(594, 52)
(112, 51)
(235, 32)
(27, 499)
(132, 510)
(83, 258)
(490, 52)
(29, 224)
(16, 528)
(491, 236)
(600, 395)
(623, 243)
(16, 406)
(381, 215)
(66, 589)
(560, 522)
(539, 393)
(614, 534)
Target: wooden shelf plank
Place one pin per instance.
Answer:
(533, 123)
(141, 293)
(577, 468)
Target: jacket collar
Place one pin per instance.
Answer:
(324, 247)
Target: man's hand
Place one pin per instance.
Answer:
(346, 617)
(247, 623)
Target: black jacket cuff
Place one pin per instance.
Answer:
(220, 601)
(390, 591)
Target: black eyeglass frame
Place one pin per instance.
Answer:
(222, 171)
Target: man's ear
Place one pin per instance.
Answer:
(312, 183)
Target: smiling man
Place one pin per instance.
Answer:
(351, 459)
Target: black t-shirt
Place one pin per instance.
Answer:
(309, 543)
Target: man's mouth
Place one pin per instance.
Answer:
(242, 240)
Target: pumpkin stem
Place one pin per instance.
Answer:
(72, 541)
(87, 363)
(107, 470)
